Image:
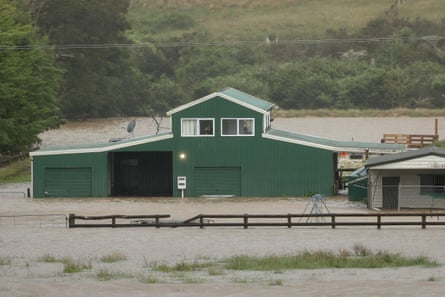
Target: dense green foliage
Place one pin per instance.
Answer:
(29, 82)
(95, 79)
(404, 70)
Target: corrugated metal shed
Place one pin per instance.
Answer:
(222, 144)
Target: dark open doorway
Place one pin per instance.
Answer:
(141, 174)
(390, 192)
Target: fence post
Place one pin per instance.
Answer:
(157, 222)
(333, 221)
(379, 222)
(71, 220)
(289, 221)
(201, 222)
(246, 220)
(423, 221)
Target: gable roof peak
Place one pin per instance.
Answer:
(233, 95)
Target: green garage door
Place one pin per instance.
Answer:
(219, 181)
(68, 182)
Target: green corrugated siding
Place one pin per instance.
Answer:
(68, 182)
(217, 181)
(266, 167)
(96, 162)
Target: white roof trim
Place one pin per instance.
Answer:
(326, 147)
(295, 141)
(110, 147)
(423, 162)
(213, 95)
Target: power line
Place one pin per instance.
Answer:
(220, 43)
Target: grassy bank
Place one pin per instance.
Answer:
(238, 19)
(16, 172)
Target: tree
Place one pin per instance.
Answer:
(28, 83)
(93, 83)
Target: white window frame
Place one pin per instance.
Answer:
(197, 127)
(238, 120)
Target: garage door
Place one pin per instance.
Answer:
(217, 181)
(68, 182)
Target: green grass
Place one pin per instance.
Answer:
(183, 267)
(359, 257)
(113, 257)
(149, 279)
(49, 259)
(5, 260)
(238, 19)
(16, 172)
(322, 259)
(69, 264)
(75, 266)
(105, 275)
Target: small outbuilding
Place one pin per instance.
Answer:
(220, 145)
(412, 179)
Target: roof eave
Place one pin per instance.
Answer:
(334, 148)
(222, 95)
(114, 146)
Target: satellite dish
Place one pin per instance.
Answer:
(131, 125)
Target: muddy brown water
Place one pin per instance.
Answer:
(24, 274)
(347, 129)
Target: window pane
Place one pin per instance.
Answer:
(426, 184)
(245, 127)
(229, 127)
(438, 183)
(189, 127)
(205, 127)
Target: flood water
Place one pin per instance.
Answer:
(370, 129)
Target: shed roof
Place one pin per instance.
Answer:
(100, 147)
(232, 95)
(426, 151)
(333, 145)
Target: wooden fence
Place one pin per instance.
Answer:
(117, 221)
(38, 221)
(411, 140)
(245, 221)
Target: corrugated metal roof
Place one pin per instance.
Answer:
(100, 147)
(247, 98)
(232, 95)
(333, 145)
(429, 150)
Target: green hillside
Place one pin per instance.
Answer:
(253, 19)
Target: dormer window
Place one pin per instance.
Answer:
(237, 127)
(198, 127)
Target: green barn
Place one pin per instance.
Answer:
(219, 145)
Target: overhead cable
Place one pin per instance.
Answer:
(218, 43)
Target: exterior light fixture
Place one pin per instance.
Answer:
(182, 156)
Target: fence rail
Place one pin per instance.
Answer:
(116, 220)
(13, 194)
(39, 221)
(411, 140)
(245, 221)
